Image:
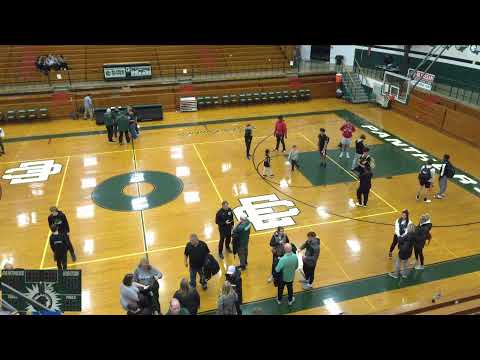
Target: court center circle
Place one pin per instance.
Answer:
(137, 191)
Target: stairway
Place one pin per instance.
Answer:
(353, 89)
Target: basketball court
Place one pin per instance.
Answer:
(145, 199)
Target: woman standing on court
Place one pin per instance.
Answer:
(148, 276)
(401, 225)
(279, 238)
(422, 236)
(365, 186)
(405, 247)
(280, 132)
(188, 297)
(248, 139)
(347, 130)
(227, 300)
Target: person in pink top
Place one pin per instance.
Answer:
(347, 130)
(280, 132)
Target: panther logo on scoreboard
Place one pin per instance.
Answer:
(44, 294)
(263, 212)
(33, 171)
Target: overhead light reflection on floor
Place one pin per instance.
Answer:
(88, 247)
(351, 203)
(322, 212)
(332, 306)
(354, 245)
(137, 177)
(85, 212)
(208, 231)
(182, 171)
(191, 197)
(226, 167)
(149, 238)
(176, 152)
(88, 183)
(283, 184)
(89, 161)
(139, 203)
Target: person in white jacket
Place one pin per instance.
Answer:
(401, 225)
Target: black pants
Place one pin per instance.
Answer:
(394, 243)
(61, 259)
(115, 129)
(309, 272)
(1, 146)
(110, 132)
(225, 237)
(280, 138)
(248, 143)
(363, 191)
(155, 296)
(419, 253)
(281, 286)
(127, 136)
(294, 164)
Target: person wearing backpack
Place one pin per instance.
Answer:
(422, 236)
(447, 171)
(227, 300)
(425, 178)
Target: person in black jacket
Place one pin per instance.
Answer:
(310, 258)
(196, 252)
(279, 238)
(58, 219)
(60, 245)
(422, 236)
(224, 220)
(188, 297)
(234, 277)
(365, 185)
(359, 146)
(405, 248)
(248, 139)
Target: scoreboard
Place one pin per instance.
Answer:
(58, 290)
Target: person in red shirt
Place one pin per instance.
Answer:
(347, 130)
(280, 132)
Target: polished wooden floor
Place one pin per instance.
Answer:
(210, 161)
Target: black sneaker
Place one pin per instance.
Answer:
(220, 255)
(204, 286)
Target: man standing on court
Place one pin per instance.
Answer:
(224, 220)
(280, 132)
(248, 139)
(123, 127)
(196, 253)
(287, 265)
(446, 171)
(323, 141)
(108, 119)
(242, 233)
(347, 130)
(88, 107)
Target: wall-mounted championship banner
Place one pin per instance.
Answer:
(127, 71)
(426, 81)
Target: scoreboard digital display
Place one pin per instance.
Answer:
(54, 289)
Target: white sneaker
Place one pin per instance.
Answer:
(303, 281)
(419, 267)
(279, 302)
(270, 279)
(341, 154)
(393, 275)
(358, 204)
(427, 201)
(307, 287)
(348, 156)
(291, 302)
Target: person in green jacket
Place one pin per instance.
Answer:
(287, 265)
(242, 231)
(108, 119)
(123, 127)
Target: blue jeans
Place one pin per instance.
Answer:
(193, 276)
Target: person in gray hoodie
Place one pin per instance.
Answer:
(310, 258)
(148, 276)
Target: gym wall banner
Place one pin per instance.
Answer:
(426, 82)
(129, 71)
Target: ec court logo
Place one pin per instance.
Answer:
(34, 171)
(260, 211)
